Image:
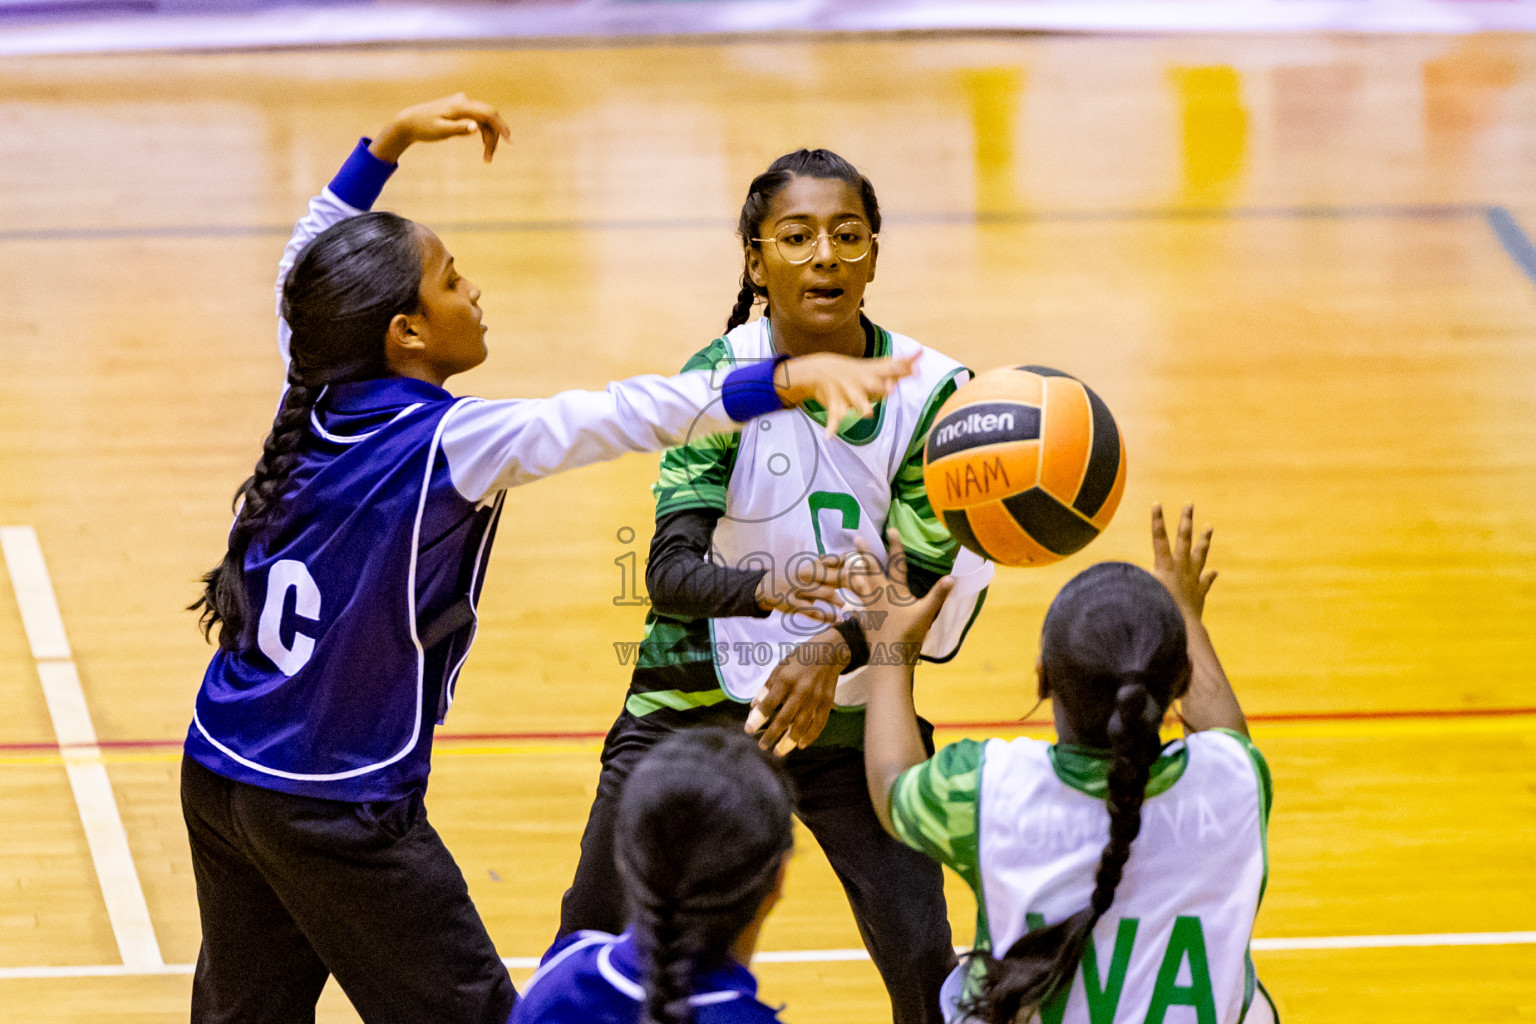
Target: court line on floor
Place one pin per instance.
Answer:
(170, 752)
(76, 738)
(1514, 240)
(1277, 719)
(1412, 211)
(1498, 218)
(821, 956)
(46, 753)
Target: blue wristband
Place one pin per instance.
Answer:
(361, 178)
(749, 391)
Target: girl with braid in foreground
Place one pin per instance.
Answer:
(702, 838)
(1119, 876)
(345, 605)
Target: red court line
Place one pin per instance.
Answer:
(513, 737)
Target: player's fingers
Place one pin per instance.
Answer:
(793, 729)
(1206, 581)
(809, 734)
(1162, 557)
(824, 612)
(1201, 549)
(462, 106)
(837, 408)
(815, 593)
(869, 560)
(1186, 532)
(780, 721)
(860, 401)
(932, 603)
(446, 128)
(896, 568)
(934, 599)
(827, 569)
(488, 139)
(849, 572)
(768, 699)
(861, 573)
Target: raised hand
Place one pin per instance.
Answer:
(1180, 566)
(895, 616)
(840, 383)
(1209, 703)
(434, 120)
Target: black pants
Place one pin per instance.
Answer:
(292, 890)
(896, 893)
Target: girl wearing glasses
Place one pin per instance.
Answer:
(748, 559)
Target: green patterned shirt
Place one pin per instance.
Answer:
(935, 807)
(675, 662)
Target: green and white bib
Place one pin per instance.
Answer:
(794, 494)
(1024, 823)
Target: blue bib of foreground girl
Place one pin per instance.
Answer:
(352, 586)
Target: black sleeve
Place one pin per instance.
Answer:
(684, 585)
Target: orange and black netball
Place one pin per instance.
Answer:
(1025, 464)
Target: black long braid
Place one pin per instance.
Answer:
(1114, 654)
(802, 163)
(702, 830)
(345, 287)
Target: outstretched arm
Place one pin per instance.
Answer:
(1210, 702)
(892, 743)
(357, 185)
(495, 445)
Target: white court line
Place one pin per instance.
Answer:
(1396, 941)
(818, 956)
(76, 736)
(1258, 945)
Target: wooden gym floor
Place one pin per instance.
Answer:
(1298, 269)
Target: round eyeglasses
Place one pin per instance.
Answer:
(796, 243)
